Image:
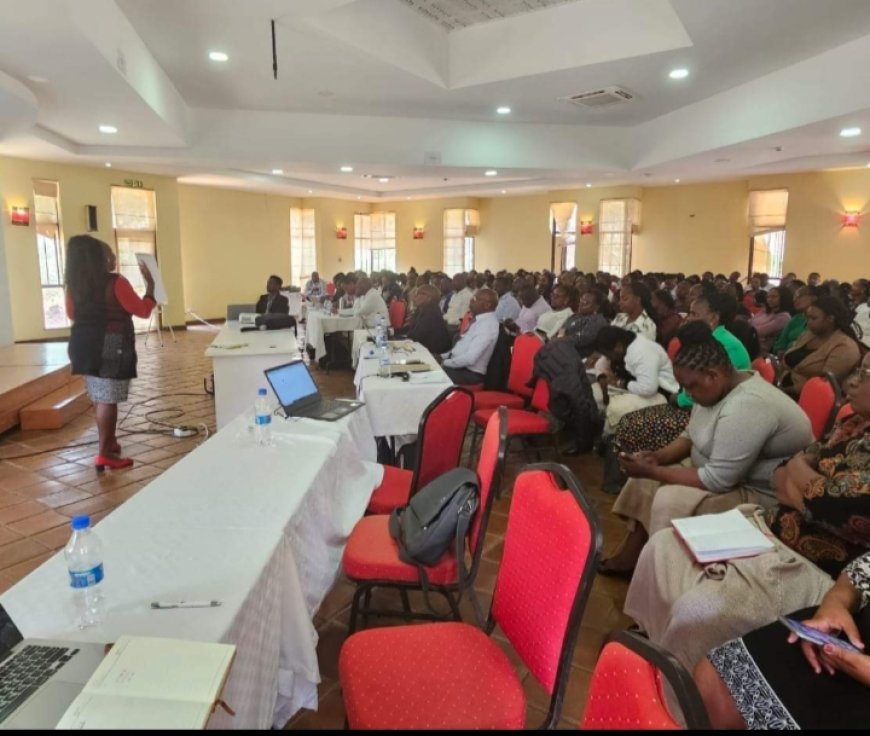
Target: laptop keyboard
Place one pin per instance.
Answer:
(326, 406)
(22, 674)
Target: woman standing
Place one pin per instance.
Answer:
(102, 345)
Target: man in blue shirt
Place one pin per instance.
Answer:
(467, 363)
(508, 306)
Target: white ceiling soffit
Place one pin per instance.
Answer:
(454, 14)
(18, 106)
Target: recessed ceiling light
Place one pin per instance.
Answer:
(311, 191)
(850, 132)
(410, 198)
(277, 172)
(491, 172)
(721, 160)
(679, 73)
(503, 110)
(588, 186)
(218, 56)
(359, 197)
(346, 169)
(36, 79)
(383, 179)
(504, 191)
(108, 129)
(108, 165)
(676, 181)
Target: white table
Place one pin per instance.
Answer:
(260, 529)
(239, 359)
(394, 406)
(318, 325)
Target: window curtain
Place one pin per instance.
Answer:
(767, 210)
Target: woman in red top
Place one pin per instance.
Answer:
(102, 345)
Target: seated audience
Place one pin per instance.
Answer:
(348, 292)
(821, 524)
(828, 344)
(814, 279)
(740, 429)
(681, 296)
(534, 305)
(562, 308)
(777, 312)
(445, 284)
(314, 287)
(426, 324)
(508, 307)
(669, 320)
(273, 301)
(635, 310)
(804, 297)
(584, 326)
(861, 307)
(466, 363)
(459, 301)
(369, 305)
(390, 289)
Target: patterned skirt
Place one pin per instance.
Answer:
(650, 429)
(107, 390)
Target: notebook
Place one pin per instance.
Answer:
(727, 536)
(151, 683)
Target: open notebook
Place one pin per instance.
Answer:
(148, 683)
(726, 536)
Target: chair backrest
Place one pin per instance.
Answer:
(541, 396)
(490, 465)
(465, 322)
(526, 347)
(234, 310)
(673, 348)
(765, 369)
(441, 435)
(821, 399)
(330, 289)
(397, 313)
(551, 551)
(845, 412)
(627, 688)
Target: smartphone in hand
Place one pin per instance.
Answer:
(814, 636)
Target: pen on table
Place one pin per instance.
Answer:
(185, 604)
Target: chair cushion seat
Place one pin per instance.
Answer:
(372, 554)
(394, 491)
(495, 399)
(519, 421)
(431, 676)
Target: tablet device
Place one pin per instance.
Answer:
(814, 636)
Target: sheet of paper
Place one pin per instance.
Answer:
(92, 711)
(159, 289)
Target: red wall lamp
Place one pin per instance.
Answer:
(586, 227)
(419, 233)
(851, 219)
(20, 216)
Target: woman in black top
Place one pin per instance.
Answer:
(426, 324)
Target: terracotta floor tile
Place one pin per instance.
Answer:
(20, 511)
(61, 470)
(21, 479)
(19, 551)
(10, 499)
(43, 488)
(33, 525)
(88, 506)
(62, 498)
(119, 495)
(7, 535)
(11, 575)
(152, 455)
(57, 537)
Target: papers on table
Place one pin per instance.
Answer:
(727, 536)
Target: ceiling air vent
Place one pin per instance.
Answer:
(600, 97)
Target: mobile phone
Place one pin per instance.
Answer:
(814, 636)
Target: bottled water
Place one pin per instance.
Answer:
(84, 560)
(262, 419)
(384, 361)
(381, 333)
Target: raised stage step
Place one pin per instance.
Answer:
(58, 408)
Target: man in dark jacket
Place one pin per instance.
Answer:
(273, 302)
(426, 324)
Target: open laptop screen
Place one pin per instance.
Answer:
(291, 382)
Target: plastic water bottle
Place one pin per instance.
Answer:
(84, 560)
(262, 419)
(380, 334)
(384, 361)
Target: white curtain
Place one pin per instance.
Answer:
(472, 223)
(767, 210)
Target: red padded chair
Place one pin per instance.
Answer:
(845, 412)
(821, 400)
(440, 438)
(525, 349)
(465, 322)
(371, 558)
(764, 369)
(451, 675)
(397, 313)
(627, 691)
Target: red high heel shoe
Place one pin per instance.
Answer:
(101, 463)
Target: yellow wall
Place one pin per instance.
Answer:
(79, 186)
(334, 255)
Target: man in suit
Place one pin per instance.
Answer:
(273, 302)
(426, 325)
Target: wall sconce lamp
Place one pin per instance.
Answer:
(586, 227)
(341, 232)
(20, 216)
(419, 233)
(850, 219)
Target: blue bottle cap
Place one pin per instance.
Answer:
(81, 522)
(261, 392)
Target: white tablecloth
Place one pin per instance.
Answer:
(261, 529)
(319, 324)
(396, 406)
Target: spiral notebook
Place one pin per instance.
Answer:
(727, 536)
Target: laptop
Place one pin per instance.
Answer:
(299, 396)
(39, 678)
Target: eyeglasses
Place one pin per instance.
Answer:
(860, 375)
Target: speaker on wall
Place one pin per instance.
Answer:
(91, 216)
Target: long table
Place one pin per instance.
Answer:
(318, 325)
(260, 529)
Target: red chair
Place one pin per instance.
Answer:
(451, 675)
(821, 400)
(765, 369)
(397, 313)
(439, 439)
(673, 348)
(627, 691)
(465, 322)
(371, 558)
(330, 289)
(845, 412)
(525, 349)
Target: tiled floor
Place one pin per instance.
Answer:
(39, 494)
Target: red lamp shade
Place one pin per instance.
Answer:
(419, 233)
(850, 219)
(341, 233)
(21, 216)
(586, 227)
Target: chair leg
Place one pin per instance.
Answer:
(406, 604)
(457, 615)
(367, 604)
(473, 447)
(354, 609)
(555, 439)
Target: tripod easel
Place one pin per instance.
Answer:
(156, 310)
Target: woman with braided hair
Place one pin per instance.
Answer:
(740, 429)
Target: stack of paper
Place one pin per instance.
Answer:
(728, 536)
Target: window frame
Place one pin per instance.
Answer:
(303, 233)
(46, 242)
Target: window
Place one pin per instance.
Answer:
(375, 241)
(303, 246)
(767, 212)
(460, 227)
(617, 220)
(134, 217)
(563, 228)
(49, 246)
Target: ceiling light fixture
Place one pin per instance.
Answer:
(491, 172)
(311, 191)
(108, 165)
(108, 129)
(383, 179)
(676, 181)
(850, 132)
(503, 110)
(36, 79)
(277, 172)
(218, 56)
(588, 186)
(679, 73)
(504, 191)
(346, 169)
